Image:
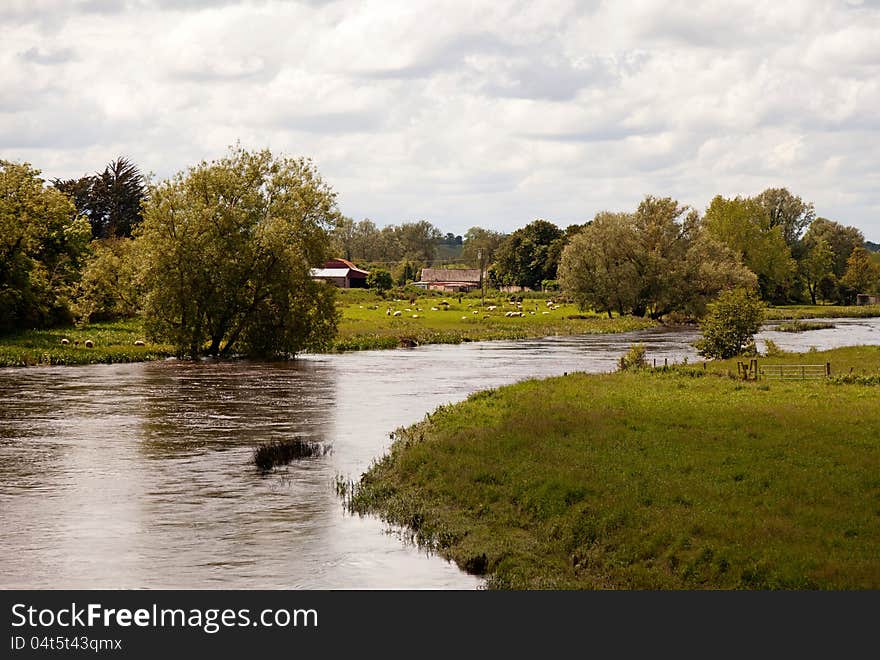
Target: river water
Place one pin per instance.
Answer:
(138, 475)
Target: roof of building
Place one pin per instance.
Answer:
(329, 272)
(451, 275)
(339, 263)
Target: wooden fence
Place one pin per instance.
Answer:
(753, 371)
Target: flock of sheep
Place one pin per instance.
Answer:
(518, 312)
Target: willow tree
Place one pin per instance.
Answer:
(227, 248)
(655, 261)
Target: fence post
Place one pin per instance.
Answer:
(827, 369)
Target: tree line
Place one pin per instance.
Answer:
(217, 257)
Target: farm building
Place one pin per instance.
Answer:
(867, 299)
(342, 273)
(450, 279)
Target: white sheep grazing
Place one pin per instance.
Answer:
(464, 318)
(388, 312)
(397, 313)
(545, 312)
(492, 308)
(65, 342)
(415, 316)
(435, 309)
(475, 312)
(89, 343)
(139, 342)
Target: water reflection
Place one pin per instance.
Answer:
(138, 475)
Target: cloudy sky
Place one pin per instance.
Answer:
(463, 113)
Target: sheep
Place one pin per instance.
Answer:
(545, 312)
(492, 308)
(464, 318)
(388, 312)
(65, 342)
(397, 313)
(89, 343)
(140, 342)
(435, 309)
(476, 311)
(415, 316)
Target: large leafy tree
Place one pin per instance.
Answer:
(480, 246)
(228, 246)
(530, 255)
(599, 266)
(816, 266)
(744, 225)
(110, 200)
(787, 211)
(862, 274)
(652, 262)
(42, 244)
(840, 238)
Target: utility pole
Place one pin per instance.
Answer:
(482, 279)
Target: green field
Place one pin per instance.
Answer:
(678, 479)
(366, 322)
(113, 342)
(370, 322)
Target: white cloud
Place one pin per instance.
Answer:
(463, 113)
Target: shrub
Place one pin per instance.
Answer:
(380, 279)
(730, 324)
(634, 359)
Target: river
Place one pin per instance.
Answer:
(138, 475)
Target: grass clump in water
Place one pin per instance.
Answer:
(803, 326)
(282, 452)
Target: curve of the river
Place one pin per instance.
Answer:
(138, 475)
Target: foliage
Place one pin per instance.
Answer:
(862, 274)
(227, 248)
(816, 265)
(788, 212)
(111, 200)
(744, 225)
(379, 279)
(803, 326)
(634, 359)
(42, 243)
(731, 323)
(529, 255)
(772, 349)
(364, 242)
(109, 288)
(841, 239)
(653, 262)
(480, 246)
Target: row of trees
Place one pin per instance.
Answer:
(665, 258)
(217, 257)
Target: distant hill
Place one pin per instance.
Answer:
(873, 247)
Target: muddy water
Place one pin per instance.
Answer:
(138, 475)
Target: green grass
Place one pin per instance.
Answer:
(650, 480)
(113, 342)
(821, 311)
(369, 322)
(803, 326)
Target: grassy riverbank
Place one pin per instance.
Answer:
(112, 342)
(653, 480)
(367, 322)
(796, 312)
